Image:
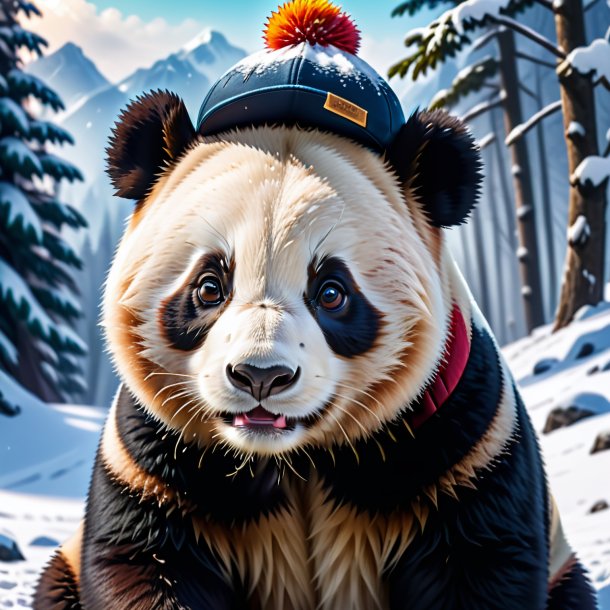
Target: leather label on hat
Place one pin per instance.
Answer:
(346, 109)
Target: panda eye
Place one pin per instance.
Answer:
(210, 291)
(332, 296)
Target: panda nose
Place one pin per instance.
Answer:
(261, 383)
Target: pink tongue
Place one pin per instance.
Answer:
(259, 417)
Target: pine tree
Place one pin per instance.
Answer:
(38, 303)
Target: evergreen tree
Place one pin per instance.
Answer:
(38, 303)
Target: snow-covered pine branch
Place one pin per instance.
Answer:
(469, 80)
(16, 213)
(448, 34)
(413, 6)
(13, 117)
(18, 295)
(519, 131)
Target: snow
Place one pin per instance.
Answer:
(575, 128)
(577, 356)
(20, 212)
(475, 10)
(579, 232)
(8, 350)
(592, 59)
(15, 152)
(593, 169)
(43, 481)
(13, 114)
(589, 277)
(204, 37)
(323, 58)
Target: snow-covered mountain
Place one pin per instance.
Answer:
(69, 72)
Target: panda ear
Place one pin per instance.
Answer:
(435, 156)
(151, 133)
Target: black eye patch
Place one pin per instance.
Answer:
(184, 322)
(353, 329)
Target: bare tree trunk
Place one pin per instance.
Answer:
(531, 287)
(510, 221)
(583, 277)
(481, 263)
(499, 300)
(547, 206)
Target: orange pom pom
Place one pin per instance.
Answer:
(312, 21)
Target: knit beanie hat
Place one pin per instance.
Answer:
(309, 75)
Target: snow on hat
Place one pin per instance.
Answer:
(309, 75)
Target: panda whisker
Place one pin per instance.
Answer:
(153, 373)
(188, 392)
(349, 442)
(289, 464)
(182, 407)
(366, 432)
(184, 428)
(360, 391)
(172, 385)
(357, 403)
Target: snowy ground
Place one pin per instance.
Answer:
(46, 455)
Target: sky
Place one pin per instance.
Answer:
(121, 35)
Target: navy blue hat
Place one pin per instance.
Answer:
(310, 77)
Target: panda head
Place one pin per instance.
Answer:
(280, 288)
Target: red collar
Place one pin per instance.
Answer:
(453, 363)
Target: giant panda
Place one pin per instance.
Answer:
(313, 413)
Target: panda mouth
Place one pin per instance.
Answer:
(260, 420)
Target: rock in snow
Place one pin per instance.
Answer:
(9, 550)
(562, 417)
(602, 442)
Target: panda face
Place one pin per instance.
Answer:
(274, 292)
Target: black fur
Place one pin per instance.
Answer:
(352, 331)
(436, 156)
(185, 320)
(573, 592)
(57, 588)
(384, 482)
(151, 134)
(136, 556)
(488, 550)
(204, 481)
